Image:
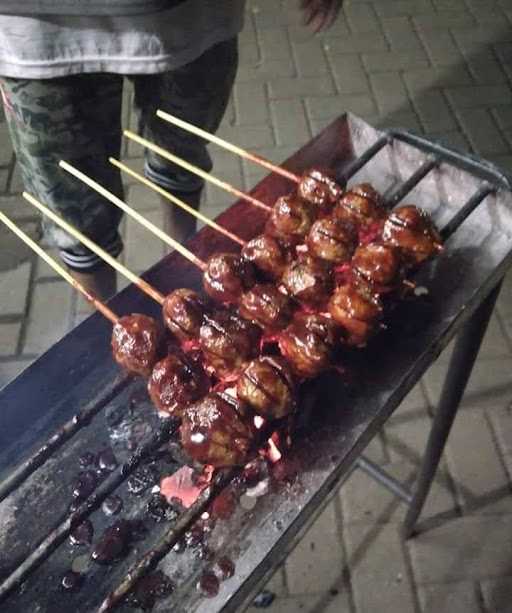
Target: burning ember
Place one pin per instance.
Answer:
(274, 454)
(182, 486)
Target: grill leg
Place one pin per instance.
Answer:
(461, 364)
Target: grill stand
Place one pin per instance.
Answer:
(461, 365)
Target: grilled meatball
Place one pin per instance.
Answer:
(266, 306)
(332, 240)
(318, 187)
(308, 280)
(321, 325)
(136, 342)
(175, 383)
(290, 219)
(412, 230)
(307, 345)
(227, 277)
(357, 310)
(267, 386)
(213, 431)
(361, 206)
(267, 255)
(183, 312)
(378, 265)
(228, 341)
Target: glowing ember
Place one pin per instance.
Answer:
(274, 454)
(190, 345)
(182, 486)
(258, 422)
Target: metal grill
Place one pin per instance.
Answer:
(469, 200)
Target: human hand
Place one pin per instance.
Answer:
(320, 14)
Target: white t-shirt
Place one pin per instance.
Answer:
(42, 47)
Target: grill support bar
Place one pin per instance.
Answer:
(459, 370)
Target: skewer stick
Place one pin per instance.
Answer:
(104, 255)
(137, 216)
(172, 198)
(195, 170)
(102, 308)
(229, 146)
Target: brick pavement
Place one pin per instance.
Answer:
(442, 68)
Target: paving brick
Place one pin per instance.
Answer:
(462, 549)
(399, 8)
(49, 316)
(310, 58)
(358, 43)
(267, 69)
(249, 54)
(42, 270)
(316, 564)
(363, 500)
(488, 386)
(434, 111)
(11, 369)
(17, 208)
(469, 38)
(420, 79)
(444, 19)
(14, 285)
(441, 47)
(378, 568)
(349, 74)
(251, 137)
(275, 44)
(480, 480)
(251, 104)
(142, 249)
(9, 335)
(327, 603)
(6, 148)
(453, 139)
(400, 34)
(393, 60)
(290, 122)
(406, 120)
(415, 404)
(142, 198)
(458, 597)
(482, 131)
(486, 71)
(501, 422)
(361, 18)
(331, 107)
(503, 162)
(503, 116)
(15, 185)
(306, 86)
(497, 595)
(390, 92)
(479, 95)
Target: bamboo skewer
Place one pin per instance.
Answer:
(195, 170)
(102, 308)
(137, 216)
(212, 138)
(104, 255)
(206, 220)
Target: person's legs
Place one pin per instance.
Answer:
(76, 119)
(198, 93)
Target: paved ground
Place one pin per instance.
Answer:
(441, 68)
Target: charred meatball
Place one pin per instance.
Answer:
(332, 240)
(361, 206)
(266, 306)
(214, 431)
(136, 343)
(175, 383)
(318, 187)
(268, 387)
(290, 219)
(379, 266)
(307, 279)
(267, 255)
(307, 346)
(228, 342)
(357, 311)
(183, 312)
(227, 277)
(412, 231)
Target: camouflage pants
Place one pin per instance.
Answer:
(78, 119)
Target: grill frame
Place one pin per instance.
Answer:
(351, 130)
